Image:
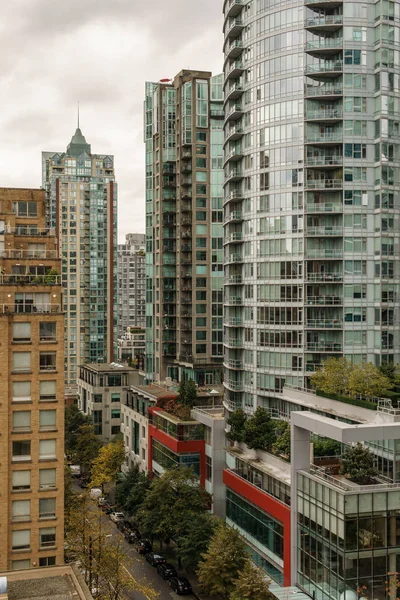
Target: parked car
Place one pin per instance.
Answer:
(155, 559)
(131, 537)
(166, 570)
(95, 493)
(101, 501)
(180, 585)
(110, 509)
(144, 547)
(117, 516)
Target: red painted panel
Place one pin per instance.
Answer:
(270, 505)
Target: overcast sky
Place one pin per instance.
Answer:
(100, 52)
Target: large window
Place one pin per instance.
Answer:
(47, 361)
(25, 209)
(47, 332)
(21, 540)
(47, 479)
(21, 362)
(19, 565)
(47, 449)
(97, 418)
(47, 537)
(21, 332)
(21, 451)
(21, 391)
(47, 420)
(21, 420)
(21, 480)
(47, 390)
(168, 459)
(21, 510)
(47, 508)
(135, 436)
(256, 522)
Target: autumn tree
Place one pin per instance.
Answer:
(259, 430)
(366, 380)
(333, 376)
(357, 464)
(251, 584)
(236, 422)
(87, 447)
(221, 564)
(107, 464)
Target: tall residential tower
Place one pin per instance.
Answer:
(131, 282)
(184, 278)
(82, 208)
(311, 196)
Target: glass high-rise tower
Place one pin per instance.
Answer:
(82, 209)
(311, 196)
(184, 256)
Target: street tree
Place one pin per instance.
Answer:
(251, 584)
(333, 376)
(107, 464)
(259, 430)
(366, 380)
(357, 464)
(236, 422)
(193, 539)
(74, 419)
(87, 447)
(131, 492)
(221, 564)
(173, 500)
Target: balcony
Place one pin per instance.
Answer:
(235, 113)
(324, 46)
(234, 217)
(324, 23)
(234, 238)
(233, 92)
(234, 301)
(324, 184)
(324, 160)
(234, 155)
(327, 277)
(233, 342)
(235, 258)
(326, 68)
(323, 346)
(232, 363)
(315, 91)
(187, 234)
(233, 196)
(326, 114)
(327, 137)
(233, 133)
(324, 231)
(233, 175)
(186, 357)
(324, 207)
(326, 4)
(324, 253)
(233, 322)
(234, 279)
(324, 324)
(232, 7)
(186, 166)
(30, 307)
(169, 181)
(324, 300)
(232, 384)
(234, 70)
(30, 279)
(186, 181)
(29, 254)
(234, 28)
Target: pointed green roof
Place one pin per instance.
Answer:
(78, 144)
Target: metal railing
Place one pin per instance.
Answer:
(30, 308)
(332, 113)
(323, 161)
(325, 20)
(232, 363)
(325, 323)
(324, 346)
(42, 254)
(324, 253)
(324, 231)
(324, 206)
(324, 90)
(328, 300)
(326, 67)
(328, 277)
(325, 43)
(325, 137)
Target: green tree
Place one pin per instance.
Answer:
(282, 443)
(172, 501)
(236, 422)
(251, 584)
(187, 393)
(107, 464)
(357, 464)
(221, 564)
(131, 492)
(259, 430)
(194, 538)
(366, 380)
(74, 419)
(333, 377)
(326, 447)
(87, 447)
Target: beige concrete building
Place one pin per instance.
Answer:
(31, 385)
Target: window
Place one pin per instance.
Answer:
(355, 150)
(21, 451)
(97, 397)
(47, 390)
(20, 565)
(47, 479)
(25, 209)
(21, 332)
(47, 537)
(21, 510)
(47, 361)
(115, 413)
(21, 362)
(21, 540)
(208, 468)
(115, 429)
(21, 420)
(47, 450)
(21, 480)
(115, 397)
(47, 420)
(47, 332)
(47, 561)
(47, 508)
(201, 348)
(21, 391)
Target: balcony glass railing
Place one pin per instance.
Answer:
(318, 184)
(324, 90)
(324, 160)
(324, 20)
(326, 137)
(324, 253)
(325, 300)
(324, 231)
(324, 43)
(328, 113)
(322, 207)
(325, 67)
